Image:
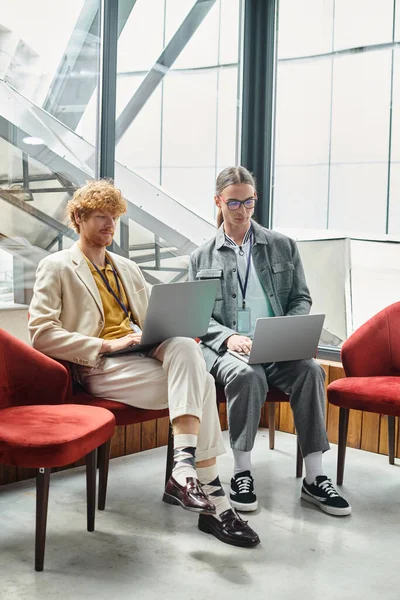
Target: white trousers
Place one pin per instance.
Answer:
(173, 376)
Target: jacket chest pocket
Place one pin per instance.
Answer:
(283, 275)
(212, 274)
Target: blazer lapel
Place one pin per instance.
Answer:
(83, 272)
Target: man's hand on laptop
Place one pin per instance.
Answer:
(239, 343)
(132, 339)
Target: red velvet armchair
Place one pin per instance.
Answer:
(371, 360)
(38, 430)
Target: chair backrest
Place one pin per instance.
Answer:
(393, 316)
(374, 348)
(28, 376)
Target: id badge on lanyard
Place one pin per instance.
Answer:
(244, 313)
(244, 320)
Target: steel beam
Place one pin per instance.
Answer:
(165, 61)
(148, 257)
(53, 241)
(32, 178)
(141, 247)
(37, 214)
(77, 75)
(150, 278)
(25, 174)
(54, 190)
(149, 246)
(124, 236)
(166, 269)
(180, 277)
(108, 89)
(259, 65)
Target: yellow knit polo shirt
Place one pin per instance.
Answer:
(116, 323)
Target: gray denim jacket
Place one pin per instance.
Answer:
(278, 265)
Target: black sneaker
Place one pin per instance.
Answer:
(242, 493)
(324, 495)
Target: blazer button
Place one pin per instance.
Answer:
(234, 323)
(233, 295)
(101, 323)
(233, 270)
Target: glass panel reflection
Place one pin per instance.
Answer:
(335, 123)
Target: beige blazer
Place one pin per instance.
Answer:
(66, 312)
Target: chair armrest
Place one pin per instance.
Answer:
(70, 389)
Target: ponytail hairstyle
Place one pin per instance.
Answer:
(231, 176)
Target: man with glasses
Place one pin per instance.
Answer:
(260, 275)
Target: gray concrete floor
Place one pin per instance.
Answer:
(145, 549)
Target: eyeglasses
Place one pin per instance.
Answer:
(236, 204)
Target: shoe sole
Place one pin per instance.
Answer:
(330, 510)
(168, 499)
(206, 529)
(240, 506)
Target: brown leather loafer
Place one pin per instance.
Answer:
(231, 529)
(189, 496)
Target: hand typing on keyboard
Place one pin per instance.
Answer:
(239, 343)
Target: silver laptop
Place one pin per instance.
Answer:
(176, 309)
(278, 339)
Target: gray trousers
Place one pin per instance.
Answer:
(246, 387)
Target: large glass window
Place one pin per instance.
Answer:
(179, 102)
(49, 69)
(337, 152)
(177, 113)
(187, 128)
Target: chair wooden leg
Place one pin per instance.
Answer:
(42, 500)
(271, 424)
(104, 462)
(391, 438)
(170, 455)
(343, 428)
(91, 488)
(299, 461)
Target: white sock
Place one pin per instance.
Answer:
(313, 464)
(212, 487)
(242, 461)
(184, 457)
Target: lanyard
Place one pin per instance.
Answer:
(109, 288)
(243, 288)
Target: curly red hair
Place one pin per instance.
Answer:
(96, 195)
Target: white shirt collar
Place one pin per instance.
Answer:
(230, 242)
